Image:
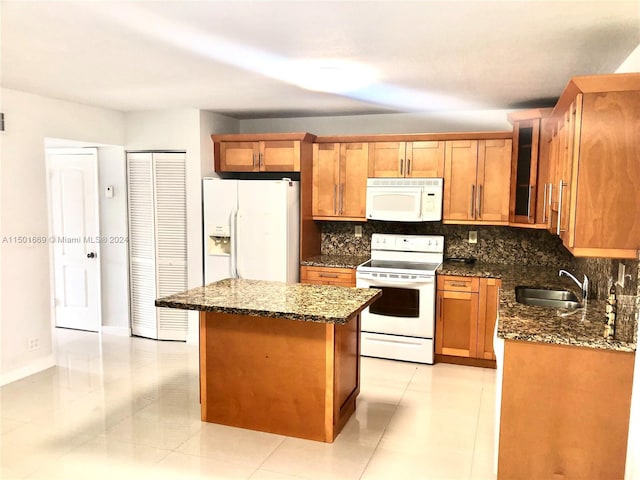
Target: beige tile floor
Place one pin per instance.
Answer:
(127, 408)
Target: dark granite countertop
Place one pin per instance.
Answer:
(581, 327)
(304, 302)
(339, 261)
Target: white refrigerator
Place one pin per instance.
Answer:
(251, 229)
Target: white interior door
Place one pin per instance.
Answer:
(75, 237)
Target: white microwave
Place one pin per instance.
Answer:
(404, 199)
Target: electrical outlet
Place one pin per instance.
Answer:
(621, 269)
(358, 231)
(33, 344)
(473, 236)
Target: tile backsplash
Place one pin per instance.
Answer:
(501, 245)
(601, 273)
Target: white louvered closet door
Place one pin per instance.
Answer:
(157, 242)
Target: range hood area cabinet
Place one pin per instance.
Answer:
(268, 152)
(340, 181)
(418, 159)
(477, 181)
(595, 164)
(530, 188)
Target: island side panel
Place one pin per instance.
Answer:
(564, 412)
(347, 371)
(264, 374)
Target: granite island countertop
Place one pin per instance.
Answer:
(290, 301)
(581, 327)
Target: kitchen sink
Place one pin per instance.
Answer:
(547, 298)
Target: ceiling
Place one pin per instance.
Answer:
(243, 59)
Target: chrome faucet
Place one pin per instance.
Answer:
(584, 285)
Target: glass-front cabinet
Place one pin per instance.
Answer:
(529, 167)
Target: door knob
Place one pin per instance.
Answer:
(91, 255)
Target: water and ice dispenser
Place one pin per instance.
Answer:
(219, 240)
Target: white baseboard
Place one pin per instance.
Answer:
(119, 331)
(34, 367)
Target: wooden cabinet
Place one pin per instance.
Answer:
(466, 311)
(339, 181)
(529, 168)
(596, 162)
(477, 181)
(418, 159)
(345, 277)
(261, 153)
(564, 412)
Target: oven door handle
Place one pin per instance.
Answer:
(399, 281)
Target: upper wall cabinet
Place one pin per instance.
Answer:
(340, 181)
(418, 159)
(595, 156)
(273, 152)
(529, 168)
(477, 181)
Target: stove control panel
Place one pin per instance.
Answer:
(407, 243)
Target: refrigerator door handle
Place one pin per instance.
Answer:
(234, 235)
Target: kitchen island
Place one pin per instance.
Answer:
(276, 357)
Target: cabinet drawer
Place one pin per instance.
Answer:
(328, 276)
(458, 284)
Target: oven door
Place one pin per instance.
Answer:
(405, 308)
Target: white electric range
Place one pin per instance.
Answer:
(401, 324)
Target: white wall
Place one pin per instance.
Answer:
(454, 121)
(211, 123)
(187, 130)
(632, 63)
(25, 277)
(632, 472)
(114, 268)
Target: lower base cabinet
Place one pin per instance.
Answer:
(564, 412)
(345, 277)
(466, 312)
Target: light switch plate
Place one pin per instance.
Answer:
(358, 231)
(621, 269)
(473, 236)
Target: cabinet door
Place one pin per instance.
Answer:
(279, 156)
(493, 181)
(461, 159)
(354, 158)
(543, 179)
(386, 159)
(456, 323)
(487, 315)
(526, 138)
(554, 177)
(609, 190)
(569, 148)
(425, 159)
(239, 156)
(326, 159)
